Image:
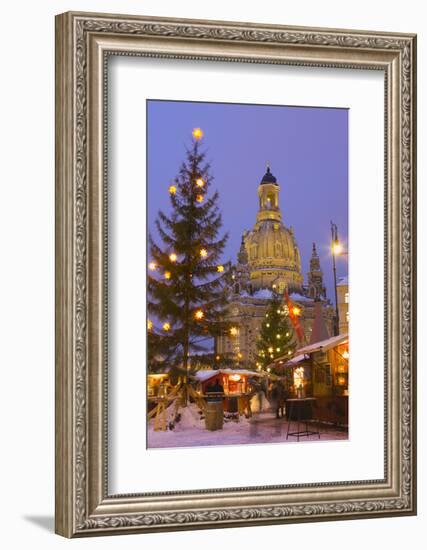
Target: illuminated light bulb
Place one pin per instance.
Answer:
(217, 357)
(289, 352)
(200, 182)
(203, 253)
(172, 189)
(167, 274)
(337, 248)
(173, 257)
(149, 324)
(278, 311)
(296, 310)
(199, 198)
(199, 315)
(277, 349)
(166, 327)
(267, 325)
(270, 350)
(259, 367)
(272, 356)
(346, 355)
(233, 331)
(268, 369)
(220, 268)
(278, 336)
(152, 266)
(274, 286)
(239, 355)
(266, 314)
(287, 334)
(197, 134)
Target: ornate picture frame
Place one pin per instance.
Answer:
(84, 42)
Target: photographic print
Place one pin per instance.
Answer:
(248, 293)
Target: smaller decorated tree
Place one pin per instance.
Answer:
(276, 337)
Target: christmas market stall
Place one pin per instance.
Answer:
(238, 387)
(158, 385)
(320, 370)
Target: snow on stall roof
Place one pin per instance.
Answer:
(262, 293)
(324, 345)
(283, 361)
(203, 375)
(297, 359)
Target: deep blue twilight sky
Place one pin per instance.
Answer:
(307, 149)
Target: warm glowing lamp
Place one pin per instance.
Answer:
(296, 311)
(220, 268)
(197, 134)
(172, 190)
(233, 331)
(149, 324)
(200, 182)
(199, 315)
(167, 274)
(166, 327)
(203, 253)
(199, 198)
(152, 266)
(337, 248)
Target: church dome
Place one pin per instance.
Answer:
(272, 251)
(273, 256)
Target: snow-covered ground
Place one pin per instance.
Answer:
(263, 427)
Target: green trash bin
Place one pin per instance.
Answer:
(214, 415)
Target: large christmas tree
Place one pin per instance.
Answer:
(276, 337)
(186, 288)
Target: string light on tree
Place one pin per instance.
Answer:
(199, 198)
(197, 134)
(296, 311)
(149, 324)
(167, 275)
(166, 327)
(199, 314)
(220, 268)
(203, 253)
(173, 257)
(152, 266)
(200, 182)
(172, 189)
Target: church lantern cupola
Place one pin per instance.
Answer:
(268, 193)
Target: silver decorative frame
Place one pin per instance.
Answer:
(83, 42)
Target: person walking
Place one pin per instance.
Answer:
(277, 398)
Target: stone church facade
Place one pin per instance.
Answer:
(269, 260)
